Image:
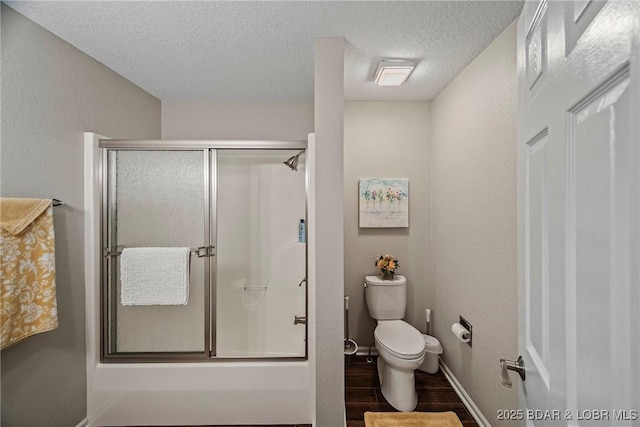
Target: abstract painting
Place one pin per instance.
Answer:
(384, 202)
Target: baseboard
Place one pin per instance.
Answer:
(466, 399)
(83, 423)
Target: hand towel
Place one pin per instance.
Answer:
(154, 276)
(17, 214)
(28, 271)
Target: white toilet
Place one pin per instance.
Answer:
(401, 346)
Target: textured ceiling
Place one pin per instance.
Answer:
(264, 50)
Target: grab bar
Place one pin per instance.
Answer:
(202, 251)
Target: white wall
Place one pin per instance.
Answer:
(329, 259)
(51, 94)
(473, 178)
(387, 140)
(237, 120)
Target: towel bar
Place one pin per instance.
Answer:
(202, 251)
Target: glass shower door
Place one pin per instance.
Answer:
(260, 262)
(156, 199)
(239, 213)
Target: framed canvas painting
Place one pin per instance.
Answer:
(384, 202)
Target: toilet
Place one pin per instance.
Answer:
(401, 347)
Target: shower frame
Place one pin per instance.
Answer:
(209, 149)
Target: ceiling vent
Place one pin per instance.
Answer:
(393, 72)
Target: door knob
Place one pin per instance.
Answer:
(508, 365)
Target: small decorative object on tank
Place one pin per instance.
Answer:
(387, 264)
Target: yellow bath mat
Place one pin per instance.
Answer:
(411, 419)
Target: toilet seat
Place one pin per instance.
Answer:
(400, 339)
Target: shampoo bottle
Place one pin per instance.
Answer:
(301, 231)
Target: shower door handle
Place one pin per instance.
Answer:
(300, 320)
(205, 251)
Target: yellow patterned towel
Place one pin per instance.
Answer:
(28, 272)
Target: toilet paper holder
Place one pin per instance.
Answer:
(469, 328)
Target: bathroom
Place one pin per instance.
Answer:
(459, 252)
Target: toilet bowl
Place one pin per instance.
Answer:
(401, 347)
(401, 351)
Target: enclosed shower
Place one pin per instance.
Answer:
(238, 210)
(237, 336)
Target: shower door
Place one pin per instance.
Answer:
(261, 285)
(238, 209)
(155, 199)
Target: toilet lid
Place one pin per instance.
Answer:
(400, 338)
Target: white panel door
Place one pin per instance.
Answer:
(578, 221)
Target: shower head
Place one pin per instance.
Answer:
(292, 161)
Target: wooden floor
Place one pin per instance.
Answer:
(362, 393)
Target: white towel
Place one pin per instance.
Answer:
(154, 276)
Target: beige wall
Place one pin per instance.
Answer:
(237, 120)
(473, 196)
(387, 140)
(328, 318)
(51, 94)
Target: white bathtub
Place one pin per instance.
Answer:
(199, 393)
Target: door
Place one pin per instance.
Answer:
(578, 238)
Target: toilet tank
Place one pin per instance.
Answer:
(386, 299)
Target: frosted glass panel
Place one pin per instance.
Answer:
(260, 263)
(156, 199)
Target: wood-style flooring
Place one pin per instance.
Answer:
(362, 393)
